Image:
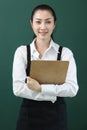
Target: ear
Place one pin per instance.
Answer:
(31, 23)
(54, 24)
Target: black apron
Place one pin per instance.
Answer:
(42, 115)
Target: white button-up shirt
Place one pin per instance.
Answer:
(49, 91)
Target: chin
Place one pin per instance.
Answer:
(44, 37)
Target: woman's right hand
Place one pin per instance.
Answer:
(33, 84)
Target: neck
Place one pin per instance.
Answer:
(41, 46)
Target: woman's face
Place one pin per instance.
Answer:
(43, 24)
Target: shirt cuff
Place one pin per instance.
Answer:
(49, 89)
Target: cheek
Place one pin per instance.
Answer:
(51, 28)
(35, 27)
(35, 30)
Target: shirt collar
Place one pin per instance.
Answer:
(53, 45)
(33, 49)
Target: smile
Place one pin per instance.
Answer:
(43, 32)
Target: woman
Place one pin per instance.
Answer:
(43, 106)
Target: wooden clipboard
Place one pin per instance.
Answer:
(49, 72)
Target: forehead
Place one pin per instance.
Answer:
(42, 14)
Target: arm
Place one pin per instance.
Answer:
(20, 88)
(70, 87)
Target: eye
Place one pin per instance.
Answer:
(48, 22)
(38, 22)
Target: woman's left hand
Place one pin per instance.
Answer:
(33, 84)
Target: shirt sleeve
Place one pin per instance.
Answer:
(70, 87)
(19, 74)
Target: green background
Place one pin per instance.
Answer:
(71, 32)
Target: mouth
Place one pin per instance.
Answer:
(43, 33)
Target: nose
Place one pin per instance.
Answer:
(43, 25)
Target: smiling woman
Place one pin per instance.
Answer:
(43, 106)
(43, 24)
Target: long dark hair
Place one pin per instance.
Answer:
(43, 7)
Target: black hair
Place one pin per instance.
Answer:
(43, 7)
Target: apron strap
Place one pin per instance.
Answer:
(28, 60)
(59, 53)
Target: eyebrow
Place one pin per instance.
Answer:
(44, 19)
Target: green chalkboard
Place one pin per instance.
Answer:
(71, 32)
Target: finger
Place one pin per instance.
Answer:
(28, 79)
